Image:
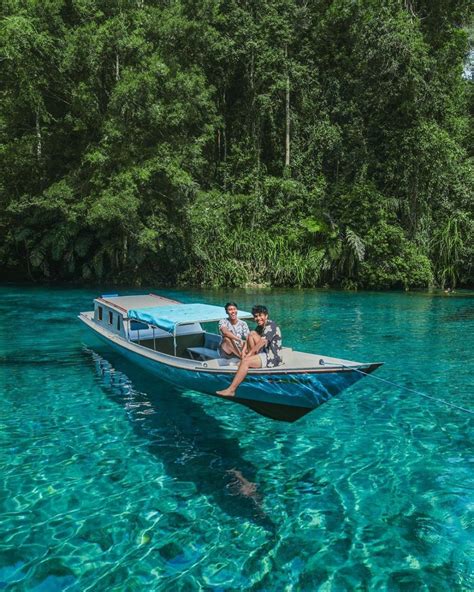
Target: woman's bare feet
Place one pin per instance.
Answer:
(226, 393)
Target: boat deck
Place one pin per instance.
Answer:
(292, 360)
(186, 343)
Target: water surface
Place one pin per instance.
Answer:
(114, 481)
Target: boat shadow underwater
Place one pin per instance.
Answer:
(190, 443)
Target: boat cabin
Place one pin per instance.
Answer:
(161, 324)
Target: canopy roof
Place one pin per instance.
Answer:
(135, 301)
(169, 317)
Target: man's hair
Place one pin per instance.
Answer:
(259, 308)
(230, 304)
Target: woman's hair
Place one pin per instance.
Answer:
(259, 308)
(230, 304)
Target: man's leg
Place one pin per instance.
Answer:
(244, 366)
(228, 345)
(252, 340)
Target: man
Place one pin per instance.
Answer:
(234, 333)
(263, 349)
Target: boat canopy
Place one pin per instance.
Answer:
(169, 317)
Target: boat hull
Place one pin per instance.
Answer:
(279, 394)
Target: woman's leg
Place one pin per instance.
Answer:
(242, 370)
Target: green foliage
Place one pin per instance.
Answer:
(235, 243)
(450, 243)
(393, 261)
(147, 141)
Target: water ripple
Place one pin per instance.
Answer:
(113, 481)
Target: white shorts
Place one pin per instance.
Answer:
(263, 358)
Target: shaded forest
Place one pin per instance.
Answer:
(233, 142)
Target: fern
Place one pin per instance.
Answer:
(356, 244)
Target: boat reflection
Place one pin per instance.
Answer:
(191, 443)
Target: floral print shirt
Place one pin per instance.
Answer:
(272, 334)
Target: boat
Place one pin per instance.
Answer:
(168, 338)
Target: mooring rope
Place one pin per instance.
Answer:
(398, 386)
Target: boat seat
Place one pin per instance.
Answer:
(209, 350)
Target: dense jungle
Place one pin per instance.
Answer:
(237, 142)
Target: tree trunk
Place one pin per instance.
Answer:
(117, 67)
(252, 98)
(255, 124)
(224, 156)
(287, 110)
(39, 146)
(125, 251)
(224, 135)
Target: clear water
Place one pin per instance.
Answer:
(113, 481)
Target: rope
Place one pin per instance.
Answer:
(399, 386)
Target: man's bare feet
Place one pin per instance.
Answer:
(226, 393)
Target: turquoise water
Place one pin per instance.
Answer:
(113, 481)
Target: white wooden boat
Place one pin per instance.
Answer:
(168, 338)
